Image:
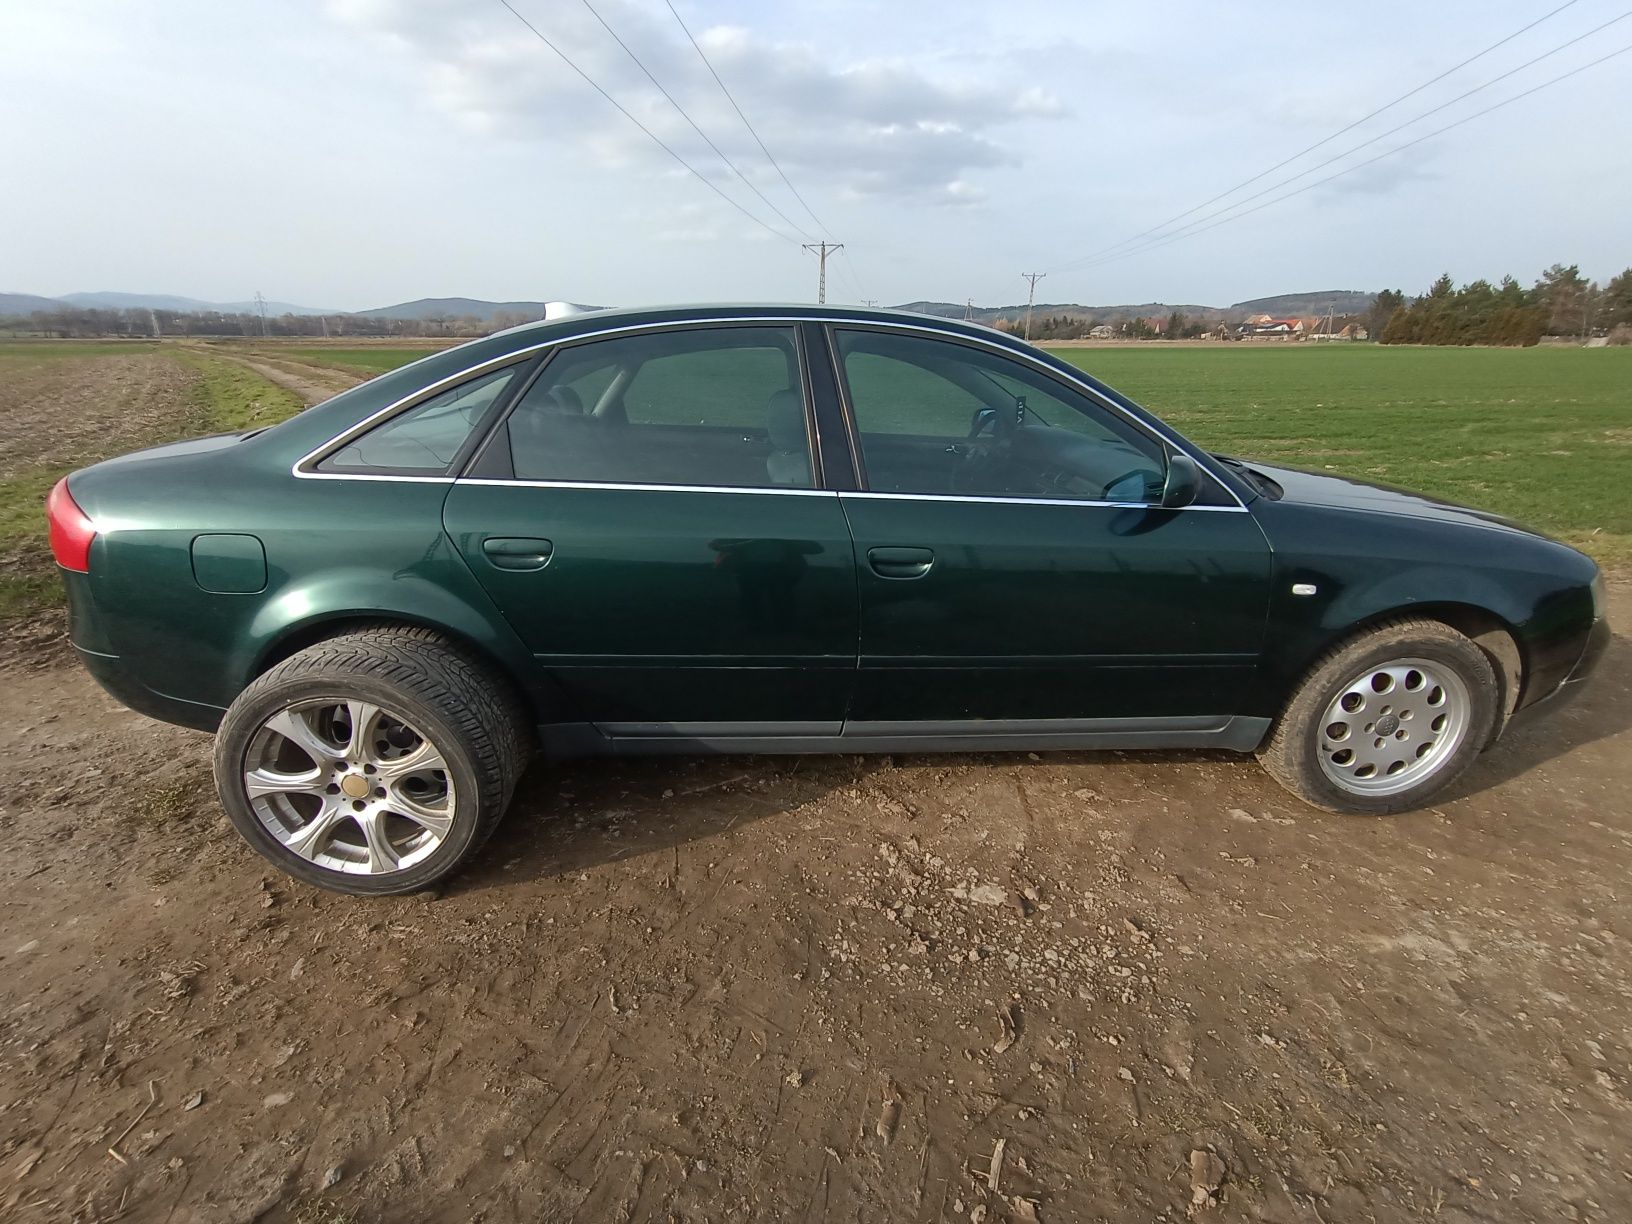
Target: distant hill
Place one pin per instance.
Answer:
(109, 300)
(991, 314)
(26, 303)
(455, 308)
(1339, 301)
(1342, 301)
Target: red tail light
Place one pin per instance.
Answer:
(71, 531)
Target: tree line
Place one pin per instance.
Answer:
(86, 322)
(1177, 326)
(1562, 303)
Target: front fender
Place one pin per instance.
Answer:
(1420, 586)
(1366, 567)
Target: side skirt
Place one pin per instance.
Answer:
(1235, 733)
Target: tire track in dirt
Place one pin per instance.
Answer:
(313, 384)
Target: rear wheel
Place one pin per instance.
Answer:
(373, 763)
(1387, 720)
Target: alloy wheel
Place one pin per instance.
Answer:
(1393, 726)
(349, 786)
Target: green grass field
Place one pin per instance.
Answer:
(364, 360)
(1542, 434)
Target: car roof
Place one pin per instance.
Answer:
(591, 319)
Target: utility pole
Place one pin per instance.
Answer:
(260, 305)
(1031, 296)
(823, 250)
(869, 301)
(969, 310)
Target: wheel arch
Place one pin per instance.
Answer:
(1488, 630)
(304, 617)
(297, 637)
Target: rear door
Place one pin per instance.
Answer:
(1013, 564)
(649, 520)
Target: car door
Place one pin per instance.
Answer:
(1013, 562)
(648, 518)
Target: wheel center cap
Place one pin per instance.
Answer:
(1387, 725)
(354, 785)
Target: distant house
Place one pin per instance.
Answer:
(1103, 332)
(1263, 327)
(1157, 326)
(1347, 332)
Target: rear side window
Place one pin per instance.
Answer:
(718, 407)
(426, 439)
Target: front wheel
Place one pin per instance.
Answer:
(1387, 720)
(374, 763)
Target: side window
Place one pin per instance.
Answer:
(716, 406)
(937, 417)
(425, 440)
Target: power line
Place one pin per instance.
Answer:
(1327, 139)
(1189, 232)
(655, 139)
(751, 130)
(684, 114)
(1159, 239)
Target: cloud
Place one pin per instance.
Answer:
(1381, 178)
(871, 129)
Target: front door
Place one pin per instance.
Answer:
(1012, 562)
(648, 520)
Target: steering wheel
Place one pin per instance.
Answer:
(985, 444)
(995, 423)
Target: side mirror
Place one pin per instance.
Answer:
(1183, 481)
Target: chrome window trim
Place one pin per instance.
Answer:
(399, 479)
(1037, 501)
(776, 490)
(1156, 426)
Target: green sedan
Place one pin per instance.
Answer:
(773, 530)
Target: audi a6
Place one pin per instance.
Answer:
(763, 529)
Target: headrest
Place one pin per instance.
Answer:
(785, 422)
(565, 400)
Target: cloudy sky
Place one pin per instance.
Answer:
(352, 153)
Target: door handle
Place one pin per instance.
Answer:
(900, 562)
(518, 552)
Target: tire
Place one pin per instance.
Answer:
(396, 808)
(1386, 720)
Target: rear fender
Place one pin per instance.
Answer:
(299, 613)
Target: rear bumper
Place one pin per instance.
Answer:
(111, 673)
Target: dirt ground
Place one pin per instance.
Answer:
(53, 410)
(1095, 987)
